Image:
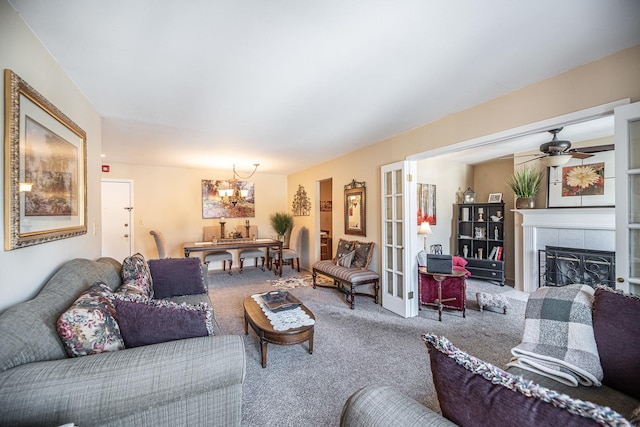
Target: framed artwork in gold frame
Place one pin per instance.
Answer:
(45, 169)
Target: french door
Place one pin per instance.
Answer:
(399, 272)
(627, 143)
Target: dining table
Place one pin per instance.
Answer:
(240, 243)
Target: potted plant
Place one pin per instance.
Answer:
(281, 223)
(525, 183)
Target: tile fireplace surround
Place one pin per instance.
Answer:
(581, 228)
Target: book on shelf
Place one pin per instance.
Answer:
(499, 254)
(493, 253)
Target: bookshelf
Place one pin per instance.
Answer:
(480, 239)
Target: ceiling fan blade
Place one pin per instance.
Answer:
(530, 160)
(513, 156)
(579, 155)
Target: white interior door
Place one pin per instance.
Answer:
(117, 218)
(627, 138)
(399, 272)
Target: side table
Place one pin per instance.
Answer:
(460, 298)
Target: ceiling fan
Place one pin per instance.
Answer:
(558, 152)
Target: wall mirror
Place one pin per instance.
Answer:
(355, 208)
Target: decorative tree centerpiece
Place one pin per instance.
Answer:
(525, 183)
(281, 223)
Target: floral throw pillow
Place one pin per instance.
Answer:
(89, 326)
(136, 276)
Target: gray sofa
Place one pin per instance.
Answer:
(196, 381)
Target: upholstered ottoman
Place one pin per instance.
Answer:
(492, 300)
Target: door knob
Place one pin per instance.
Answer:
(126, 225)
(620, 279)
(126, 235)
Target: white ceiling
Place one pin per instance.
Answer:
(292, 83)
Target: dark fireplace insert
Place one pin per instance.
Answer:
(560, 266)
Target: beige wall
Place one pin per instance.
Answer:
(491, 177)
(448, 177)
(169, 200)
(609, 79)
(25, 270)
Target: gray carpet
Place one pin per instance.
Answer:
(352, 348)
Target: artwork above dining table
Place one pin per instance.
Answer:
(213, 203)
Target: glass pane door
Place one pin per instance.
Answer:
(627, 137)
(399, 278)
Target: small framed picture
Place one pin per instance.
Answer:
(495, 197)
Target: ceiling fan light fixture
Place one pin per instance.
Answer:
(557, 160)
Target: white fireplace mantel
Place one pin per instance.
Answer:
(583, 228)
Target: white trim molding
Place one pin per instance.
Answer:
(581, 228)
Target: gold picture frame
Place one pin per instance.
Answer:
(355, 208)
(45, 169)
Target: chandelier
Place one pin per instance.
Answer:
(235, 194)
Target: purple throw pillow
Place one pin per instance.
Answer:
(176, 276)
(155, 321)
(616, 326)
(475, 393)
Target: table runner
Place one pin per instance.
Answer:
(285, 319)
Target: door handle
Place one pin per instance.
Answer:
(620, 279)
(126, 225)
(126, 235)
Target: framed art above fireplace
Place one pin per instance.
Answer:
(583, 182)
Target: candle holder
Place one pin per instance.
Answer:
(222, 223)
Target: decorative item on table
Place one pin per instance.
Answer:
(525, 183)
(281, 223)
(439, 264)
(469, 196)
(280, 300)
(424, 230)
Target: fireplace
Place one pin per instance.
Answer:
(560, 266)
(582, 228)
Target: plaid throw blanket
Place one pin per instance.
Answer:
(558, 339)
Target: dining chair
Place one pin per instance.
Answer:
(293, 251)
(160, 243)
(209, 233)
(252, 253)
